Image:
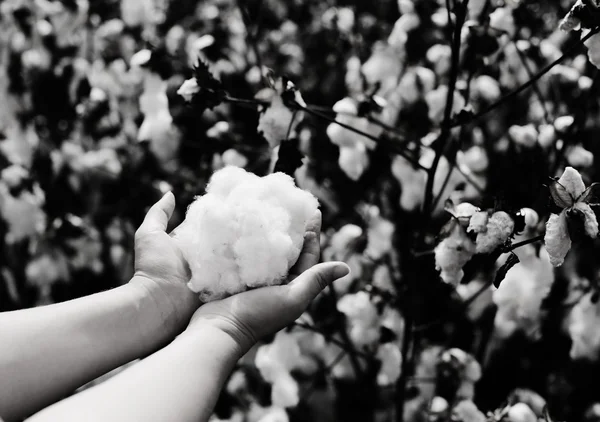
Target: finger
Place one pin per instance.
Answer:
(310, 255)
(310, 283)
(311, 248)
(314, 224)
(158, 216)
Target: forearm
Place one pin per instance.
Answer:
(48, 352)
(178, 383)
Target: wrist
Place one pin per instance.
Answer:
(208, 335)
(165, 309)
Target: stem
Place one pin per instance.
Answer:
(252, 38)
(529, 83)
(524, 243)
(461, 15)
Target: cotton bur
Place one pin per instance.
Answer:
(245, 232)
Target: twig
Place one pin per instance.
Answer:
(523, 243)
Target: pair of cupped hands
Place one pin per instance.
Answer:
(162, 270)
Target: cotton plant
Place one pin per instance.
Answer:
(577, 218)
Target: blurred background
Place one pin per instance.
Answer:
(95, 127)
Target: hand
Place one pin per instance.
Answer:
(248, 316)
(161, 268)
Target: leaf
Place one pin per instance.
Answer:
(211, 92)
(560, 195)
(588, 193)
(204, 77)
(503, 270)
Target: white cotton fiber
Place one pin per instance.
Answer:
(245, 232)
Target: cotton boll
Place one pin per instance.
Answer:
(275, 361)
(531, 217)
(452, 254)
(563, 123)
(188, 89)
(385, 64)
(23, 213)
(391, 361)
(353, 78)
(486, 88)
(341, 241)
(583, 323)
(407, 22)
(499, 228)
(580, 157)
(412, 181)
(440, 56)
(232, 157)
(520, 412)
(502, 18)
(436, 101)
(137, 12)
(524, 135)
(382, 279)
(354, 161)
(379, 238)
(520, 295)
(14, 175)
(476, 159)
(275, 414)
(362, 318)
(274, 122)
(547, 136)
(45, 270)
(347, 111)
(593, 45)
(467, 411)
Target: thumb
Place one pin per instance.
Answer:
(158, 215)
(312, 282)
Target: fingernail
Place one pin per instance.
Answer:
(340, 271)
